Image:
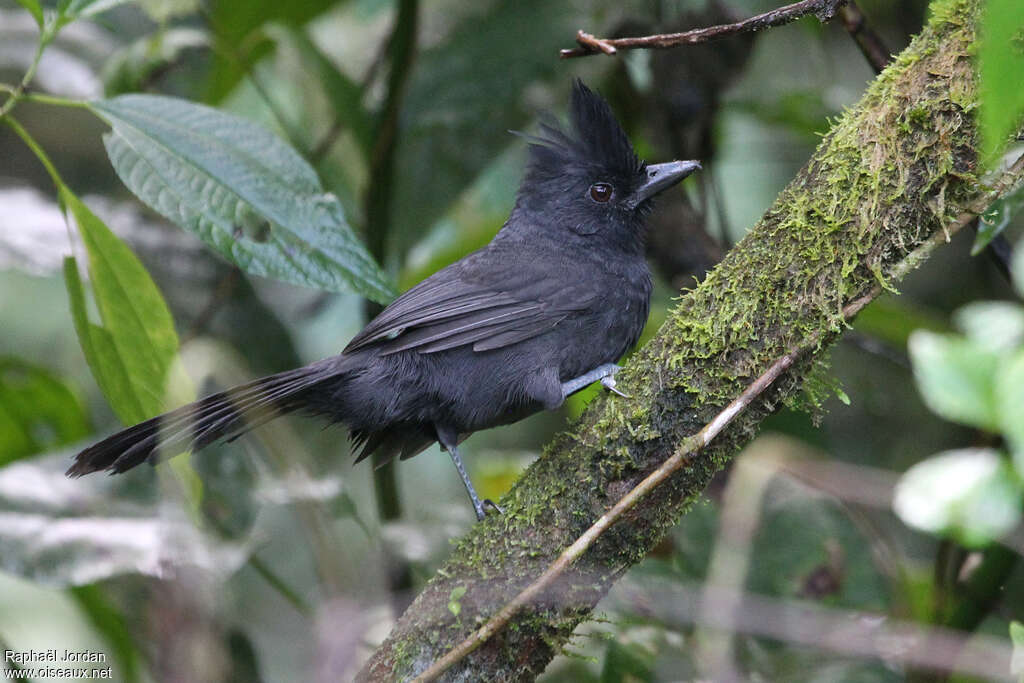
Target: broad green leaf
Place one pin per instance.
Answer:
(1010, 402)
(1001, 63)
(956, 378)
(992, 325)
(344, 94)
(100, 353)
(995, 219)
(133, 350)
(131, 354)
(240, 189)
(970, 494)
(38, 412)
(35, 9)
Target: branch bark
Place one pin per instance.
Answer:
(592, 45)
(894, 171)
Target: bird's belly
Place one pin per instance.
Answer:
(463, 389)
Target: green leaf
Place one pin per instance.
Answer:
(1010, 401)
(236, 23)
(454, 606)
(992, 325)
(1001, 62)
(995, 219)
(970, 494)
(35, 9)
(131, 353)
(344, 94)
(956, 378)
(625, 665)
(38, 411)
(130, 68)
(1017, 659)
(75, 9)
(240, 189)
(111, 624)
(100, 353)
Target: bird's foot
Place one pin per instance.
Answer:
(608, 382)
(482, 507)
(605, 373)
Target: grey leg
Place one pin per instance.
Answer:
(448, 440)
(605, 373)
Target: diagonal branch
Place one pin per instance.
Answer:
(894, 173)
(590, 45)
(692, 446)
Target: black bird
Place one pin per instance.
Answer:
(545, 309)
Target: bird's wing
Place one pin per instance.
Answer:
(488, 307)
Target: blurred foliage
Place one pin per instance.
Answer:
(1001, 59)
(272, 561)
(975, 378)
(998, 217)
(38, 411)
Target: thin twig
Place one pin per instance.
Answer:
(222, 292)
(867, 40)
(692, 445)
(590, 45)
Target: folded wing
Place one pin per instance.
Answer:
(475, 306)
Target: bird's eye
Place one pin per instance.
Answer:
(601, 192)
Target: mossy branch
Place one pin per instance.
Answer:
(893, 171)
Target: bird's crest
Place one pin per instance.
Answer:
(595, 139)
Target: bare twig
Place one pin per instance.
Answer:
(695, 443)
(590, 45)
(867, 40)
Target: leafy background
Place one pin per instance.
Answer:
(346, 134)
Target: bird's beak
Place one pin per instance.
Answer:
(661, 177)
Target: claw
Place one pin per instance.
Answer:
(489, 504)
(609, 384)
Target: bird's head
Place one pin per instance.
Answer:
(587, 179)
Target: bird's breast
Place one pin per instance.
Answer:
(607, 329)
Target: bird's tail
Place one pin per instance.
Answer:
(221, 416)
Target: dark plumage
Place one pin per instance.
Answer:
(562, 291)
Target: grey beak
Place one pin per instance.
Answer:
(661, 177)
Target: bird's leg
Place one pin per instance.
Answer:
(448, 441)
(605, 373)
